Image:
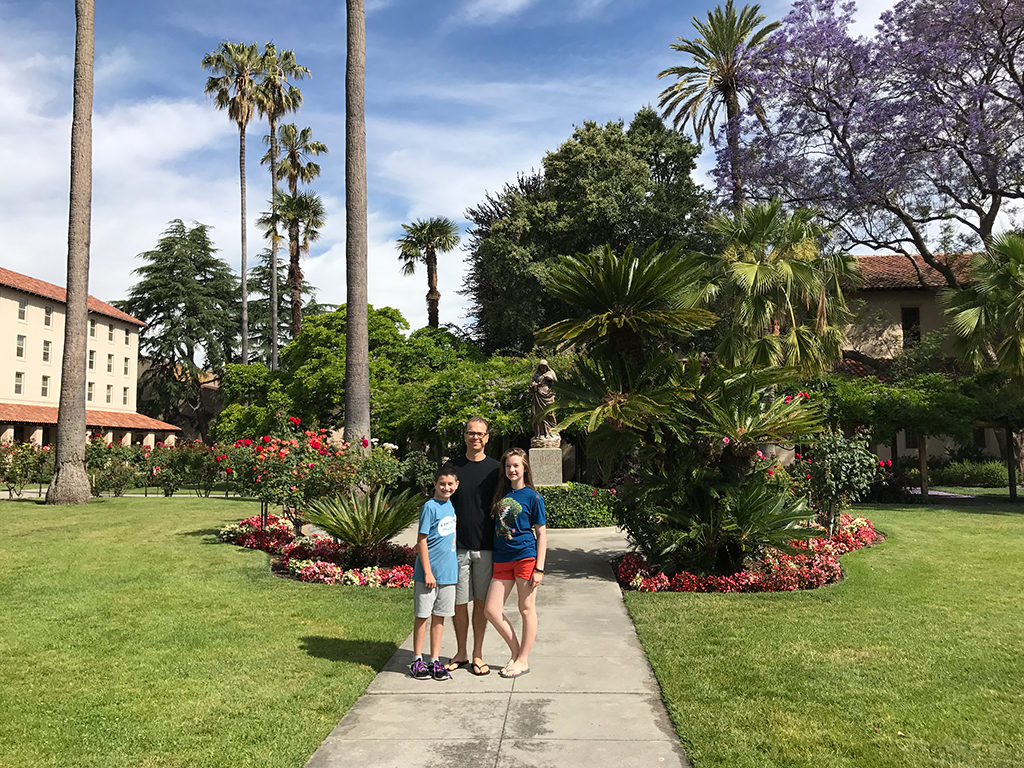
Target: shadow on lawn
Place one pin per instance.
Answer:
(372, 653)
(209, 533)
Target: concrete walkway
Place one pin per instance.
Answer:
(590, 698)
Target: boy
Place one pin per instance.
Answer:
(435, 575)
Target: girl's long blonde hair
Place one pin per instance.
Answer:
(503, 485)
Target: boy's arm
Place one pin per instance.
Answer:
(421, 550)
(541, 531)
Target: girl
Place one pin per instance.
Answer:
(520, 551)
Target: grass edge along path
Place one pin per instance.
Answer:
(912, 661)
(131, 636)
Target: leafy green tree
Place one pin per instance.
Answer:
(70, 483)
(606, 185)
(421, 242)
(719, 54)
(780, 297)
(238, 68)
(188, 298)
(275, 97)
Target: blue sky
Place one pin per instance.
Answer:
(461, 95)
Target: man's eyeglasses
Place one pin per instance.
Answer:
(476, 434)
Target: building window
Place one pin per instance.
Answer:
(48, 317)
(110, 363)
(19, 348)
(126, 363)
(911, 322)
(46, 351)
(910, 439)
(19, 382)
(44, 390)
(92, 328)
(124, 396)
(22, 308)
(110, 332)
(127, 337)
(979, 438)
(89, 388)
(110, 393)
(92, 360)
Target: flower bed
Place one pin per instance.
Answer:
(321, 560)
(776, 572)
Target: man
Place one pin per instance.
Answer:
(474, 535)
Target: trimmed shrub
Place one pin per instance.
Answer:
(578, 505)
(971, 474)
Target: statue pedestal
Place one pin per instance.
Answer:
(546, 464)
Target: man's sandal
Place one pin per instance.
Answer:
(481, 669)
(453, 665)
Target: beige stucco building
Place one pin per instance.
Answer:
(893, 311)
(31, 350)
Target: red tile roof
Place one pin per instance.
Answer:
(47, 414)
(36, 287)
(891, 271)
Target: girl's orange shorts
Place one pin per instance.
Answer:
(517, 569)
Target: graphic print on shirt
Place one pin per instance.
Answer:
(446, 527)
(508, 510)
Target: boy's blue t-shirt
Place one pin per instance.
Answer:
(513, 525)
(437, 520)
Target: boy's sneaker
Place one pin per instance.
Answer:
(439, 671)
(419, 669)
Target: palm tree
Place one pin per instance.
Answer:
(716, 77)
(70, 484)
(357, 356)
(421, 242)
(275, 97)
(298, 147)
(240, 69)
(303, 214)
(987, 317)
(785, 298)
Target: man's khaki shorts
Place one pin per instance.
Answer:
(475, 566)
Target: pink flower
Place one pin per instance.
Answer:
(798, 457)
(365, 442)
(807, 477)
(725, 440)
(593, 493)
(760, 455)
(789, 399)
(611, 491)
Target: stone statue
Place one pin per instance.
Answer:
(542, 395)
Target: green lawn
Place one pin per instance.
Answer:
(132, 637)
(925, 637)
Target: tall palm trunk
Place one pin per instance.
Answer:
(732, 135)
(70, 483)
(273, 246)
(357, 357)
(245, 261)
(433, 295)
(295, 276)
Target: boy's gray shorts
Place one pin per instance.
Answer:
(475, 569)
(439, 601)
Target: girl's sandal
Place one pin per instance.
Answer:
(513, 672)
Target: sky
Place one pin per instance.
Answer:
(461, 96)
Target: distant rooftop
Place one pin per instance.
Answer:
(27, 284)
(893, 271)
